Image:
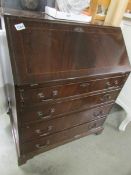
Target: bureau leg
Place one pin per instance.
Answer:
(22, 160)
(99, 132)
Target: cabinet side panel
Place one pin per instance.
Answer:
(10, 88)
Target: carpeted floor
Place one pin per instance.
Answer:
(105, 154)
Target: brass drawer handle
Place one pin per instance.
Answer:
(41, 95)
(45, 100)
(40, 132)
(55, 93)
(38, 146)
(116, 82)
(44, 134)
(41, 114)
(52, 110)
(98, 114)
(108, 84)
(84, 85)
(106, 97)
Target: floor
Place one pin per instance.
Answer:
(108, 153)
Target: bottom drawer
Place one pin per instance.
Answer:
(61, 137)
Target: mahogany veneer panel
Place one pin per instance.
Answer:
(63, 51)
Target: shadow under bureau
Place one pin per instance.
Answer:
(66, 78)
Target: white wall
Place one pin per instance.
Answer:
(3, 74)
(124, 98)
(3, 98)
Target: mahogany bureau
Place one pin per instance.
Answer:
(66, 77)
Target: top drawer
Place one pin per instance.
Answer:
(29, 96)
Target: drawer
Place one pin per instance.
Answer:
(53, 110)
(61, 137)
(42, 129)
(30, 96)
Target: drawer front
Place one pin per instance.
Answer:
(43, 129)
(39, 95)
(60, 137)
(52, 110)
